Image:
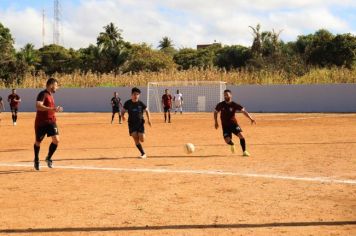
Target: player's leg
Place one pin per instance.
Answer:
(13, 115)
(169, 115)
(181, 109)
(40, 134)
(165, 110)
(52, 131)
(228, 140)
(119, 113)
(243, 144)
(112, 116)
(137, 139)
(16, 111)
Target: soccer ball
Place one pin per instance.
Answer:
(189, 148)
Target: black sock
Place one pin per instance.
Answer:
(165, 117)
(243, 144)
(140, 148)
(13, 118)
(52, 149)
(37, 152)
(112, 117)
(231, 143)
(119, 118)
(169, 117)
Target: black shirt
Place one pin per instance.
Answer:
(135, 110)
(228, 111)
(116, 102)
(0, 98)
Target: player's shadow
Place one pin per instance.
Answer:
(9, 172)
(176, 227)
(13, 150)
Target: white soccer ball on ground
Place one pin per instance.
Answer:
(189, 148)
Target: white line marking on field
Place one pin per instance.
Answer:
(308, 117)
(200, 172)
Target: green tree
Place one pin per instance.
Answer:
(7, 56)
(166, 45)
(144, 58)
(54, 59)
(232, 57)
(113, 51)
(28, 56)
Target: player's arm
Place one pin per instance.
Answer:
(148, 117)
(41, 107)
(123, 111)
(17, 100)
(248, 116)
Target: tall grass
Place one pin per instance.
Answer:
(243, 77)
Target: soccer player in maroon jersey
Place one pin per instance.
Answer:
(14, 101)
(167, 105)
(45, 123)
(228, 108)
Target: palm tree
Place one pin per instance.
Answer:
(165, 43)
(110, 38)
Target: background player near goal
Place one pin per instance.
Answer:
(178, 102)
(199, 96)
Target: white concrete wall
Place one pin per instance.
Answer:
(256, 98)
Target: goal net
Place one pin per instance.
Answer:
(198, 96)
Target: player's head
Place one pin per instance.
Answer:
(177, 91)
(166, 91)
(13, 91)
(227, 95)
(116, 94)
(52, 85)
(135, 94)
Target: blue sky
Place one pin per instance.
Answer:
(187, 22)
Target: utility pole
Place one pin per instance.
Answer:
(56, 22)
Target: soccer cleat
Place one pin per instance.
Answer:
(37, 165)
(233, 148)
(49, 163)
(246, 154)
(144, 156)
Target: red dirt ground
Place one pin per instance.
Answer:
(111, 202)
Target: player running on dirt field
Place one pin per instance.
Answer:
(14, 101)
(227, 109)
(45, 123)
(135, 108)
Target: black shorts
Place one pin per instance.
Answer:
(232, 129)
(167, 109)
(14, 109)
(47, 129)
(139, 128)
(115, 110)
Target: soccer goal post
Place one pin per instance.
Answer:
(198, 96)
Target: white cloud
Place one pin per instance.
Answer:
(187, 22)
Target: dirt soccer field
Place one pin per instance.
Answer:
(300, 179)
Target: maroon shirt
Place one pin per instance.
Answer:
(12, 98)
(228, 111)
(45, 117)
(167, 100)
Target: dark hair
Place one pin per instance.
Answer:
(51, 81)
(227, 91)
(135, 90)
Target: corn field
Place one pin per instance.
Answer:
(243, 77)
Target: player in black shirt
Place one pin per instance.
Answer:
(135, 108)
(116, 107)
